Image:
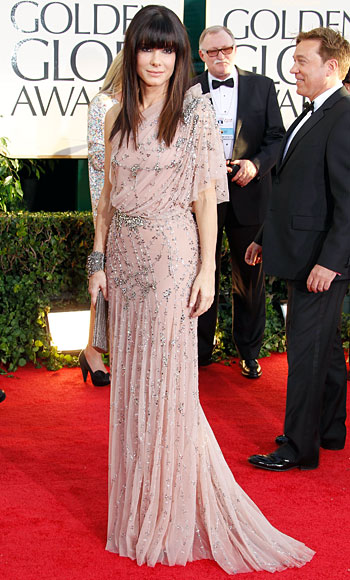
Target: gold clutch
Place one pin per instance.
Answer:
(100, 337)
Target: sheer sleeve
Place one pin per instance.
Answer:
(96, 115)
(209, 158)
(98, 108)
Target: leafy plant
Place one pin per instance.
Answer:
(11, 194)
(42, 261)
(35, 167)
(11, 171)
(345, 331)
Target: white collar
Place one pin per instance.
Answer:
(318, 102)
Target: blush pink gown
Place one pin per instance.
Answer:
(172, 497)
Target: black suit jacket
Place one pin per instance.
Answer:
(308, 221)
(259, 131)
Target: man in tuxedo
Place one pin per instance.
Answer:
(306, 240)
(248, 115)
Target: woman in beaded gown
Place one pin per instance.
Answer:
(172, 497)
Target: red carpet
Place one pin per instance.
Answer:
(53, 500)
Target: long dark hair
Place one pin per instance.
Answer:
(154, 27)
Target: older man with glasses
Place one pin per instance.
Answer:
(248, 115)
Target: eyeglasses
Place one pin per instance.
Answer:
(215, 51)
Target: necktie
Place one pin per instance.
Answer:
(227, 83)
(307, 106)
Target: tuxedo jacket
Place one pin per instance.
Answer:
(258, 135)
(308, 220)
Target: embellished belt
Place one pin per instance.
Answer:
(135, 221)
(131, 221)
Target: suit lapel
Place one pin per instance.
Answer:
(308, 125)
(296, 122)
(243, 98)
(203, 80)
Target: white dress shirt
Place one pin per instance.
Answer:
(318, 102)
(225, 101)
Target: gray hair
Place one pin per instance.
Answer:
(213, 30)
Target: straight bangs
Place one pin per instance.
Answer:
(153, 27)
(158, 35)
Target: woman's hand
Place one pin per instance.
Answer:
(202, 293)
(96, 282)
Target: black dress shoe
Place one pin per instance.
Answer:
(250, 368)
(273, 462)
(282, 439)
(2, 395)
(98, 378)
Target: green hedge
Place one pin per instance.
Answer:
(42, 264)
(42, 261)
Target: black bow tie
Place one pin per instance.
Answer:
(309, 106)
(227, 83)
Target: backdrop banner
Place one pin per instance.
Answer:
(55, 56)
(265, 37)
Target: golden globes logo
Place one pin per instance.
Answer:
(58, 35)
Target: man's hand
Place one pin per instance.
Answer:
(320, 279)
(253, 254)
(246, 173)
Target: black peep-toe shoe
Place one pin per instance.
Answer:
(98, 378)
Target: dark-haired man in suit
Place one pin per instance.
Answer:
(306, 240)
(248, 114)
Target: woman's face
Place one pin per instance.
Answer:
(155, 66)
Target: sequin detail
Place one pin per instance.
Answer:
(130, 221)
